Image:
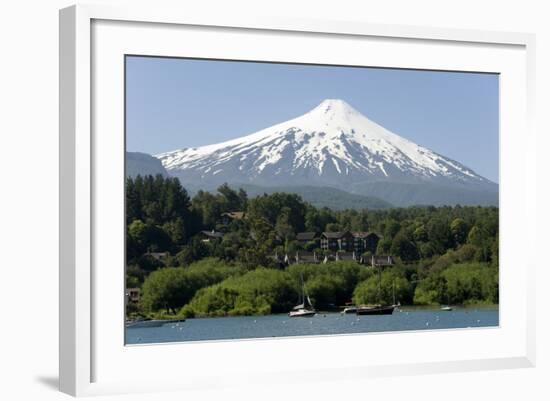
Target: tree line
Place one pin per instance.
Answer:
(428, 243)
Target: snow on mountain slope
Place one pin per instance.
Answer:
(331, 145)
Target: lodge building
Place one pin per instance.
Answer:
(358, 242)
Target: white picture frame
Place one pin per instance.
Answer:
(93, 360)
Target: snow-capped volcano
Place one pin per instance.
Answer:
(331, 145)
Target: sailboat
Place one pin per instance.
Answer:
(304, 307)
(448, 307)
(378, 309)
(375, 309)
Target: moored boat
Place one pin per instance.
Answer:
(305, 308)
(375, 309)
(143, 323)
(302, 312)
(378, 309)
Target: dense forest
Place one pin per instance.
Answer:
(444, 254)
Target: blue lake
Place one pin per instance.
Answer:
(225, 328)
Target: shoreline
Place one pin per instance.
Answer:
(405, 308)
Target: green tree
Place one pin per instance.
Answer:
(230, 199)
(283, 228)
(404, 248)
(193, 251)
(420, 234)
(439, 234)
(169, 289)
(333, 227)
(459, 231)
(384, 246)
(475, 236)
(209, 207)
(375, 290)
(176, 230)
(261, 291)
(148, 237)
(391, 229)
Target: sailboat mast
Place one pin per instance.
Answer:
(379, 283)
(393, 290)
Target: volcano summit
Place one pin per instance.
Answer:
(334, 145)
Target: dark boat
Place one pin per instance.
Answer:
(350, 309)
(375, 310)
(145, 323)
(378, 309)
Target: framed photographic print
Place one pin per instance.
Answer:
(254, 191)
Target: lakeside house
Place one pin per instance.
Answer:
(365, 241)
(133, 294)
(337, 241)
(308, 237)
(159, 256)
(210, 236)
(228, 217)
(359, 242)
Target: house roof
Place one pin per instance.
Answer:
(157, 255)
(212, 234)
(336, 234)
(363, 234)
(234, 215)
(306, 236)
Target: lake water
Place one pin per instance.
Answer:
(225, 328)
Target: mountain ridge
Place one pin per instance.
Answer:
(332, 145)
(138, 163)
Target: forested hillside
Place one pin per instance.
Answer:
(444, 254)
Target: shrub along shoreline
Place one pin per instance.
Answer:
(214, 288)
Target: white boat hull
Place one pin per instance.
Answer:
(302, 313)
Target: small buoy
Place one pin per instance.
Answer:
(427, 323)
(478, 320)
(324, 315)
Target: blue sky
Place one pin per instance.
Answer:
(176, 103)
